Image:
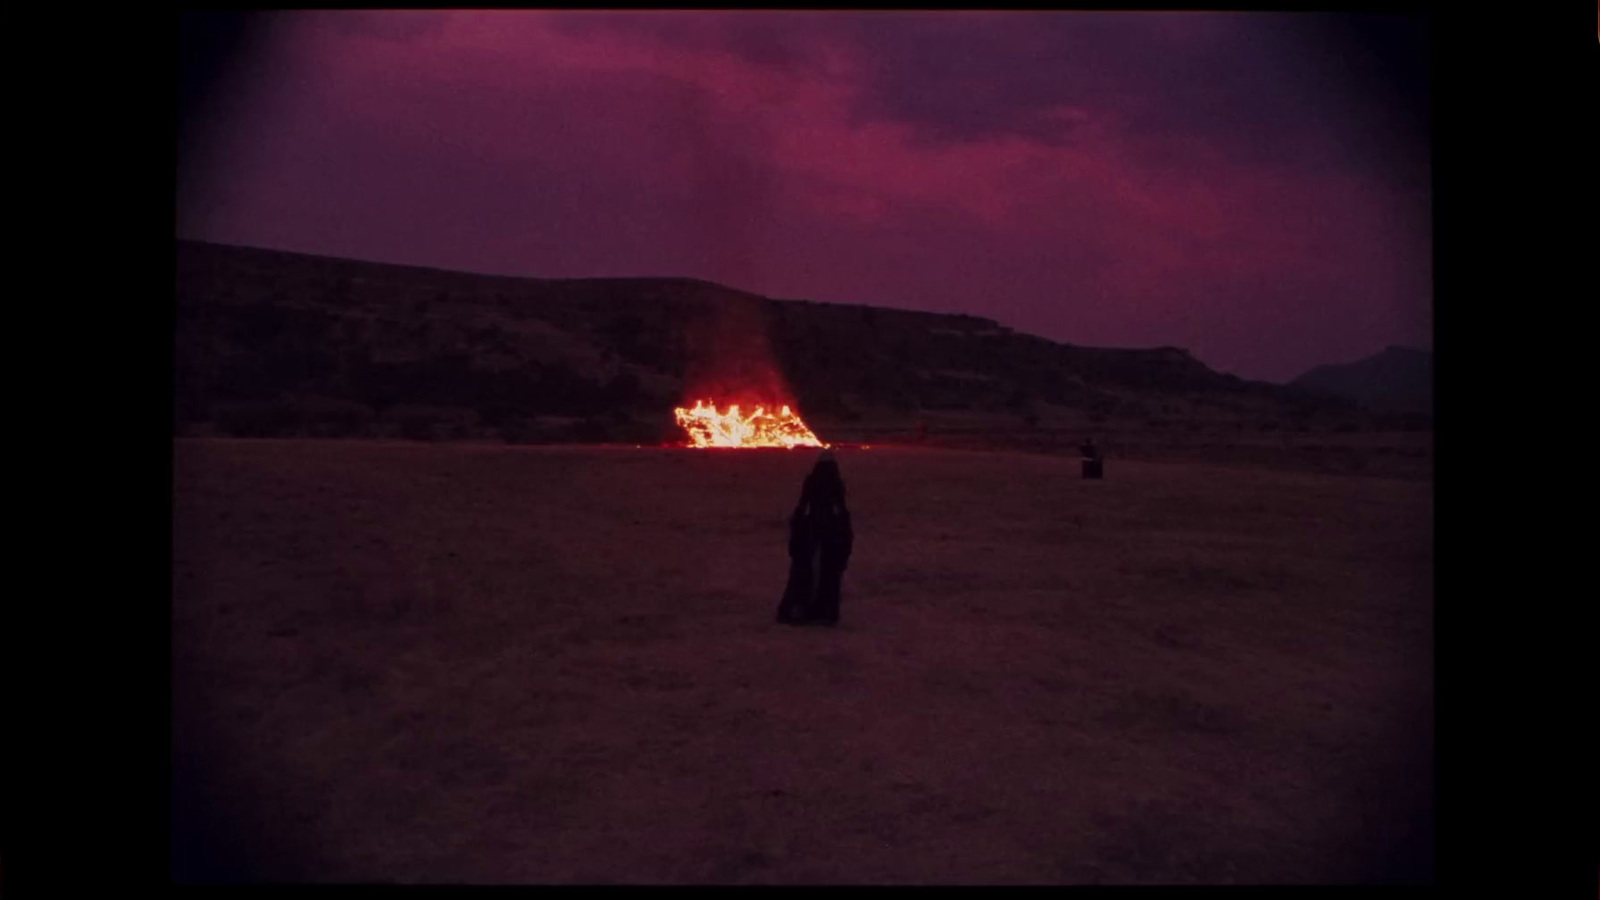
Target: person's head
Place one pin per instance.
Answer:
(826, 461)
(825, 484)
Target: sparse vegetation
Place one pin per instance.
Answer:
(434, 423)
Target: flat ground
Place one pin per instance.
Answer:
(448, 663)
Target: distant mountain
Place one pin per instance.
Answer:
(269, 343)
(1397, 380)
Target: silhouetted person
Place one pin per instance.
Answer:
(1092, 463)
(820, 541)
(797, 594)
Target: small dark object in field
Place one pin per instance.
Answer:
(820, 541)
(1093, 464)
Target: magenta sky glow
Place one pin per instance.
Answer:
(1252, 187)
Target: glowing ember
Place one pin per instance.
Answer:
(709, 428)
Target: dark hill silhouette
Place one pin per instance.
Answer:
(271, 343)
(1396, 380)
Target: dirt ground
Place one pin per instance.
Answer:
(401, 662)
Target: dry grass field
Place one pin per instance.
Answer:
(401, 662)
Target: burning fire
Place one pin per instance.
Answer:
(709, 428)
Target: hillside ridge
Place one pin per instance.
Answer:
(273, 342)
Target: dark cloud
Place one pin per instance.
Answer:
(1289, 90)
(1314, 90)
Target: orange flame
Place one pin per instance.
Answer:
(709, 428)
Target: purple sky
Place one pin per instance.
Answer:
(1252, 187)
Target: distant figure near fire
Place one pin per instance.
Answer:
(820, 541)
(1093, 465)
